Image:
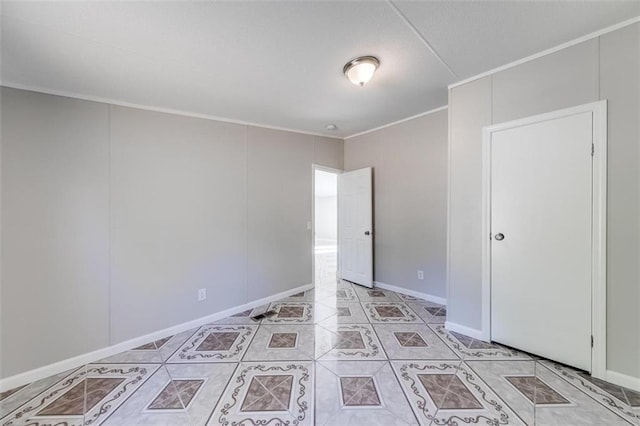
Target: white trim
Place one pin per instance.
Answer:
(425, 296)
(315, 167)
(80, 360)
(598, 230)
(549, 51)
(467, 331)
(624, 380)
(422, 114)
(110, 101)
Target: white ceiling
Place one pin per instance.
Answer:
(280, 64)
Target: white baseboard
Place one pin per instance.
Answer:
(623, 380)
(462, 329)
(425, 296)
(80, 360)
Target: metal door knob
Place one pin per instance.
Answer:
(499, 237)
(367, 233)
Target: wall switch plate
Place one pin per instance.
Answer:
(202, 294)
(421, 275)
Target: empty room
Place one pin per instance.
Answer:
(332, 213)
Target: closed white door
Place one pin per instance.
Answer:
(355, 221)
(541, 248)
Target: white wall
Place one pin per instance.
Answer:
(607, 67)
(113, 217)
(326, 208)
(410, 200)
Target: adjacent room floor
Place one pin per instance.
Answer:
(337, 355)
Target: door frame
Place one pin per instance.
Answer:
(598, 225)
(315, 167)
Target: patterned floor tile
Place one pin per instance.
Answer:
(346, 313)
(431, 313)
(298, 313)
(275, 342)
(450, 393)
(359, 393)
(390, 312)
(176, 341)
(340, 293)
(348, 342)
(469, 349)
(215, 343)
(266, 394)
(303, 296)
(86, 396)
(147, 353)
(242, 318)
(412, 341)
(375, 294)
(606, 394)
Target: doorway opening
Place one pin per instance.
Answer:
(325, 225)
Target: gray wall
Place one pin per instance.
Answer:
(602, 68)
(113, 217)
(410, 200)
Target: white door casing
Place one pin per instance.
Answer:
(544, 283)
(355, 222)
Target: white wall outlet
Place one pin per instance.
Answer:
(308, 226)
(421, 275)
(202, 294)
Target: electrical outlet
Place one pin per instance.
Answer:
(421, 275)
(202, 294)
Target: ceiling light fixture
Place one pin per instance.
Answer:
(332, 127)
(360, 70)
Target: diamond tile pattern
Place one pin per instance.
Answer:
(359, 391)
(218, 341)
(339, 354)
(268, 393)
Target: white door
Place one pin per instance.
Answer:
(541, 212)
(355, 221)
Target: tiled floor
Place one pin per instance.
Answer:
(337, 355)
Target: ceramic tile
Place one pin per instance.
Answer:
(348, 341)
(346, 313)
(268, 393)
(339, 293)
(260, 349)
(359, 393)
(298, 313)
(392, 337)
(431, 313)
(451, 393)
(375, 294)
(86, 396)
(215, 343)
(470, 349)
(174, 343)
(597, 392)
(390, 312)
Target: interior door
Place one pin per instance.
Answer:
(355, 221)
(541, 212)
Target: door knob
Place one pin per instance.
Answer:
(499, 236)
(367, 233)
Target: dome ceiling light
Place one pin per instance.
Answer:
(360, 70)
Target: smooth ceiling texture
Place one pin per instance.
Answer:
(280, 63)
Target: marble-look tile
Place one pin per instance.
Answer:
(469, 349)
(375, 294)
(214, 379)
(339, 293)
(303, 296)
(431, 313)
(359, 393)
(347, 342)
(174, 343)
(24, 394)
(155, 403)
(87, 396)
(583, 410)
(404, 341)
(242, 318)
(605, 395)
(260, 349)
(448, 393)
(268, 393)
(494, 374)
(346, 313)
(215, 343)
(298, 313)
(390, 312)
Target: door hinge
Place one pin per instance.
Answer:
(591, 341)
(593, 150)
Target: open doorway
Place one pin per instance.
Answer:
(325, 232)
